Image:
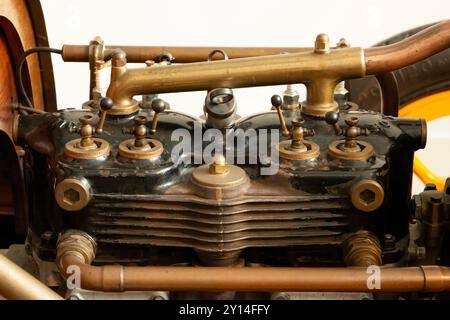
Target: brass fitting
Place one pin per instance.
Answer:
(73, 194)
(86, 131)
(297, 148)
(362, 249)
(367, 195)
(350, 148)
(118, 69)
(140, 147)
(76, 243)
(318, 71)
(219, 165)
(86, 147)
(298, 134)
(322, 44)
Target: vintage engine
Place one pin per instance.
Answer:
(141, 207)
(135, 183)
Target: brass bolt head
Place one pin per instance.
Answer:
(219, 165)
(322, 44)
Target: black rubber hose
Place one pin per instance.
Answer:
(19, 68)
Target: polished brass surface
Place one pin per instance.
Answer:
(322, 44)
(362, 249)
(73, 194)
(319, 72)
(118, 69)
(17, 284)
(219, 180)
(367, 195)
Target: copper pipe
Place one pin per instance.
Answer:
(378, 60)
(409, 51)
(17, 284)
(138, 54)
(266, 279)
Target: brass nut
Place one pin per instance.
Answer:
(367, 195)
(218, 166)
(73, 194)
(322, 44)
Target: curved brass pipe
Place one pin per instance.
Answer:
(265, 279)
(17, 284)
(319, 71)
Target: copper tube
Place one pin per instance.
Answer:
(266, 279)
(17, 284)
(409, 51)
(137, 54)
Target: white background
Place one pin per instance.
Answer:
(231, 23)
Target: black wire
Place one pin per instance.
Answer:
(22, 59)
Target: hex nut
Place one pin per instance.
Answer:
(73, 194)
(218, 166)
(322, 44)
(367, 195)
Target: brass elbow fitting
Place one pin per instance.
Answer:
(75, 243)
